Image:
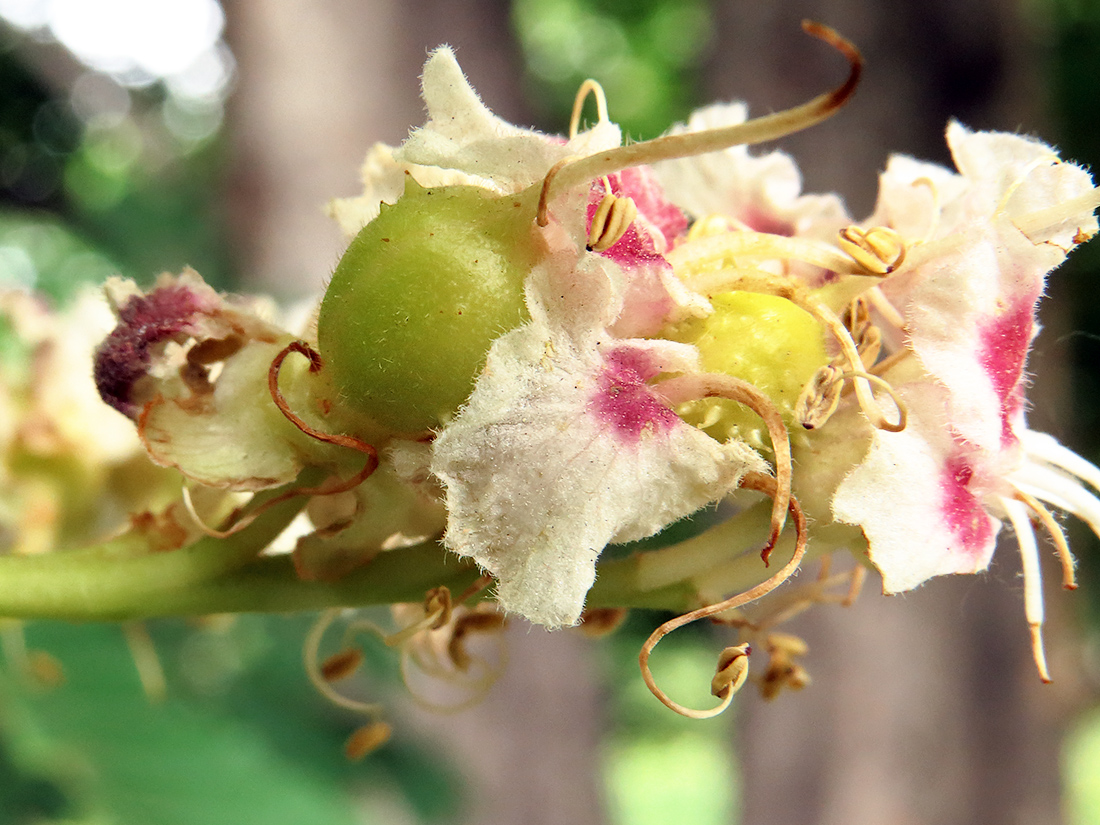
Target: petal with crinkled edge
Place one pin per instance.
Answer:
(1019, 175)
(918, 496)
(191, 367)
(462, 134)
(563, 448)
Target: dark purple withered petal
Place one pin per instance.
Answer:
(145, 321)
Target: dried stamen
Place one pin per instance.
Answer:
(465, 625)
(760, 483)
(315, 672)
(442, 656)
(820, 397)
(819, 400)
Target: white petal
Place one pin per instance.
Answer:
(562, 450)
(919, 500)
(462, 134)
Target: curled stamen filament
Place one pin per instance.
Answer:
(313, 665)
(349, 441)
(676, 391)
(752, 481)
(592, 87)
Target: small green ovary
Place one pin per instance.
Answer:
(419, 297)
(766, 340)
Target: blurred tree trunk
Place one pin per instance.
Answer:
(925, 708)
(319, 82)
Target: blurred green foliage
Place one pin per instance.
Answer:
(645, 53)
(240, 737)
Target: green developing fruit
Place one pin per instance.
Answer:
(419, 296)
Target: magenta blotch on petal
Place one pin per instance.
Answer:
(623, 403)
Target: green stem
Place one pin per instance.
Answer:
(112, 581)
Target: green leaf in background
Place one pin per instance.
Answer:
(123, 759)
(241, 737)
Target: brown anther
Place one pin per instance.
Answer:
(819, 398)
(858, 315)
(782, 673)
(763, 484)
(45, 668)
(476, 622)
(602, 621)
(367, 739)
(733, 670)
(879, 250)
(613, 218)
(798, 677)
(438, 600)
(341, 665)
(869, 345)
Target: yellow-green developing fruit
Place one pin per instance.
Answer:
(762, 339)
(419, 296)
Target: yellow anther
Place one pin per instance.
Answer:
(733, 670)
(787, 643)
(879, 250)
(613, 217)
(714, 225)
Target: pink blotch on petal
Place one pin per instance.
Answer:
(760, 221)
(962, 509)
(1005, 341)
(623, 402)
